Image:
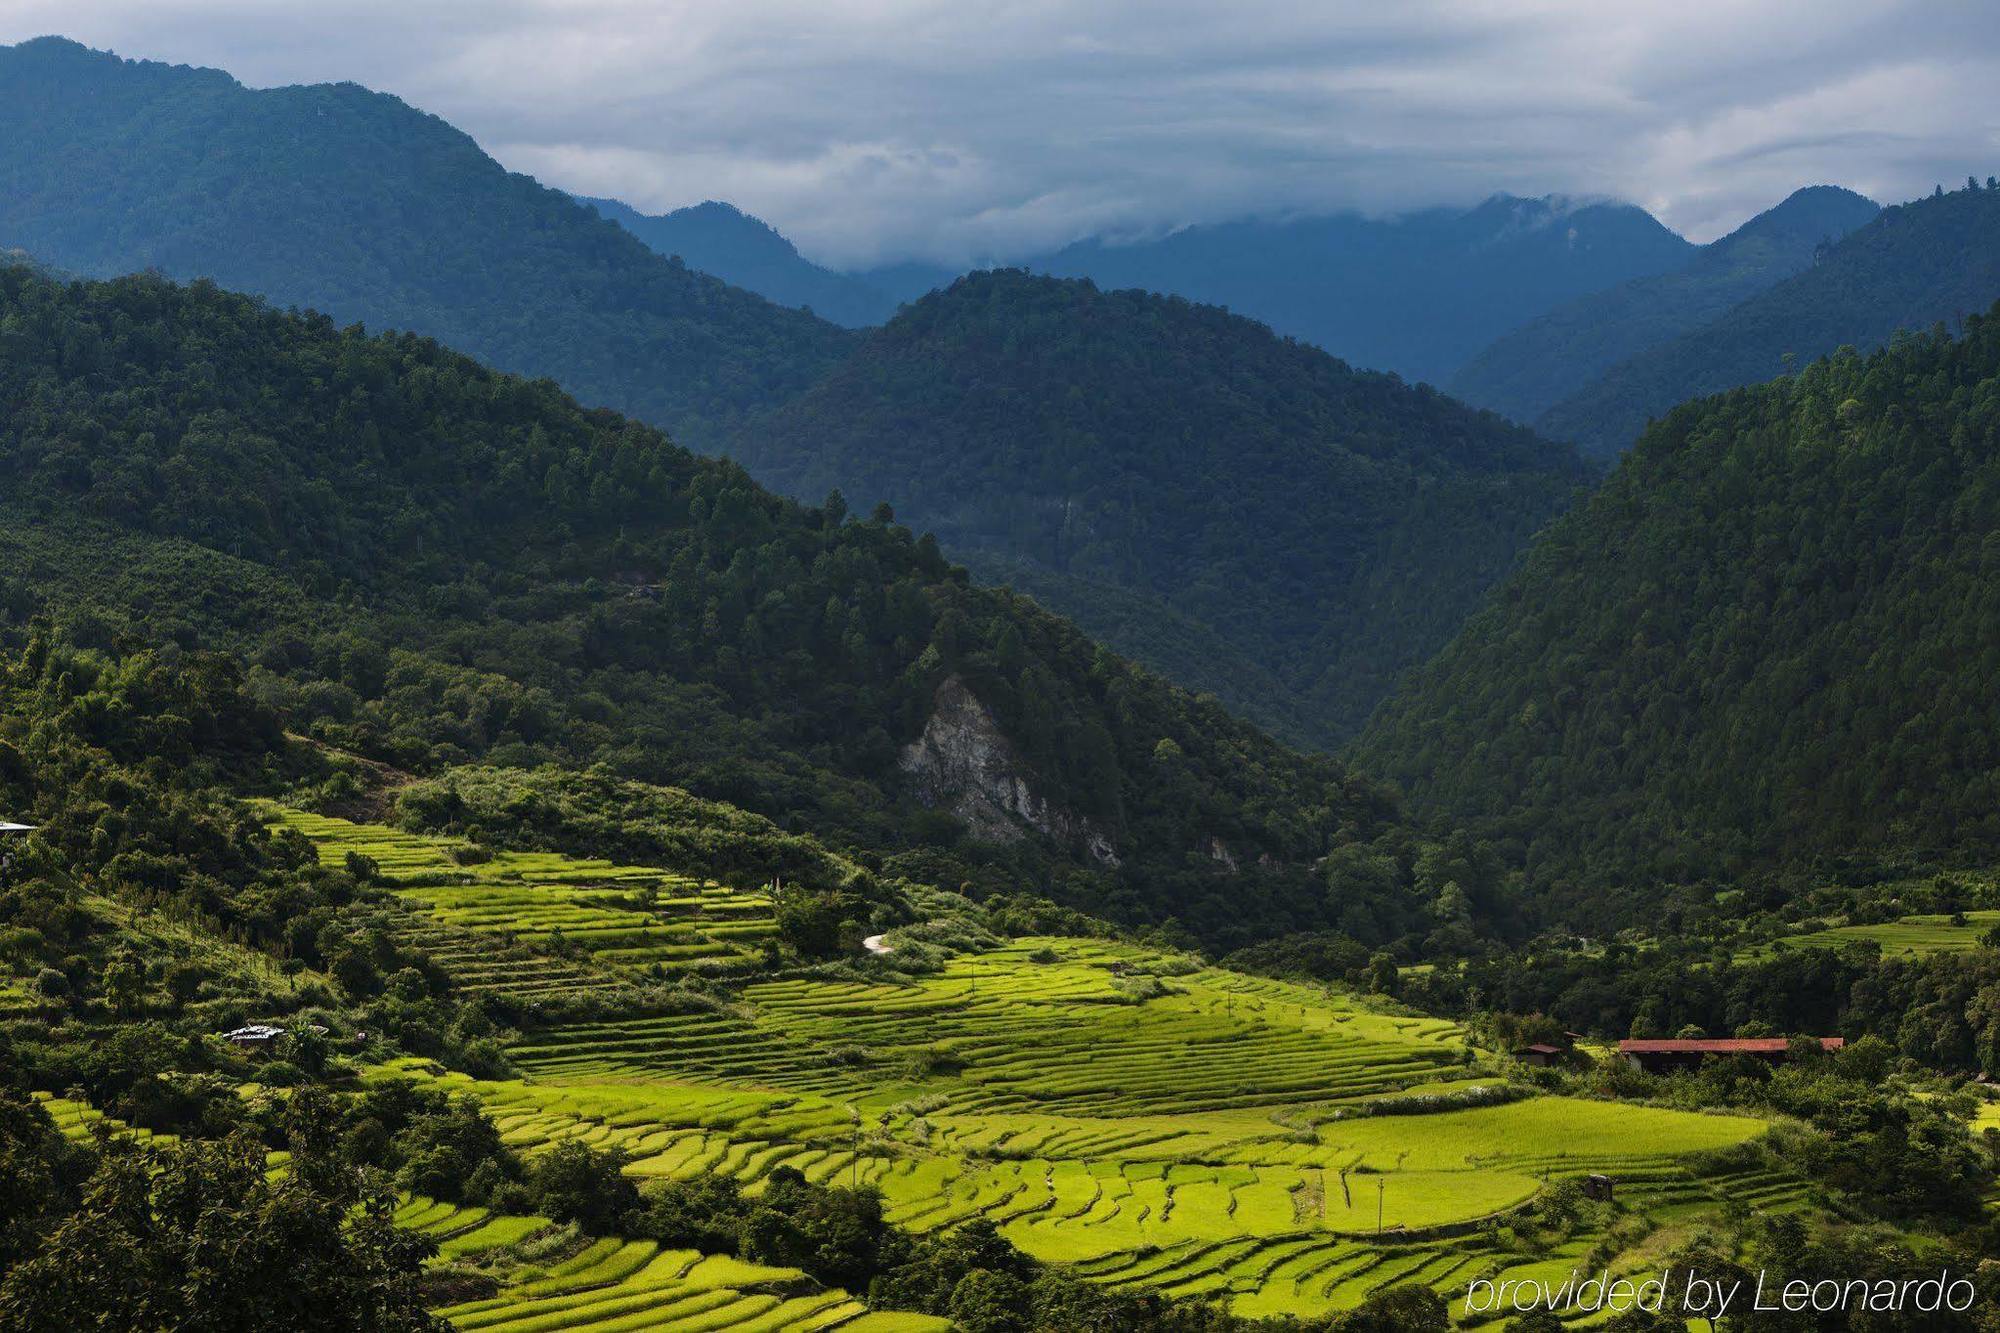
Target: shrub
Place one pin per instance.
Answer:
(281, 1074)
(573, 1182)
(705, 1214)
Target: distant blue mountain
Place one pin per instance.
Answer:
(1417, 294)
(912, 279)
(722, 240)
(357, 205)
(1928, 262)
(1532, 368)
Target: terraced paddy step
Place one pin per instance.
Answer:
(1760, 1190)
(1062, 1037)
(705, 1045)
(1225, 1229)
(614, 1287)
(635, 918)
(81, 1122)
(482, 964)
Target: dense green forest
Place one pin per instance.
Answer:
(1529, 369)
(1917, 264)
(353, 203)
(1173, 476)
(1765, 641)
(429, 563)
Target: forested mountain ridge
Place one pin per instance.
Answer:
(353, 203)
(1530, 369)
(1765, 641)
(1931, 261)
(723, 240)
(1142, 451)
(429, 563)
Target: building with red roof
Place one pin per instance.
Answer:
(1668, 1054)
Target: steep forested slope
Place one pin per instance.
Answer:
(720, 239)
(1416, 294)
(1527, 371)
(1170, 475)
(1917, 264)
(428, 562)
(355, 204)
(1768, 638)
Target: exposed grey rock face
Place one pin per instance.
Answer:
(965, 763)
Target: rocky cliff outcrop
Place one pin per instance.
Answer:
(964, 763)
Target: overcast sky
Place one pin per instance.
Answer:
(882, 129)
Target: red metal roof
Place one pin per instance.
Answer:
(1722, 1045)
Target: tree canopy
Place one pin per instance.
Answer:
(1242, 512)
(1766, 641)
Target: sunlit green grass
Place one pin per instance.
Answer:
(478, 903)
(1909, 935)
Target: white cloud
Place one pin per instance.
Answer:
(882, 129)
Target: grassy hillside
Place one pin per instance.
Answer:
(1765, 641)
(355, 204)
(1929, 262)
(1118, 452)
(1529, 369)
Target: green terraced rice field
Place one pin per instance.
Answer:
(82, 1122)
(1213, 1140)
(1028, 1037)
(1220, 1137)
(626, 1285)
(15, 1001)
(614, 1285)
(1909, 935)
(490, 924)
